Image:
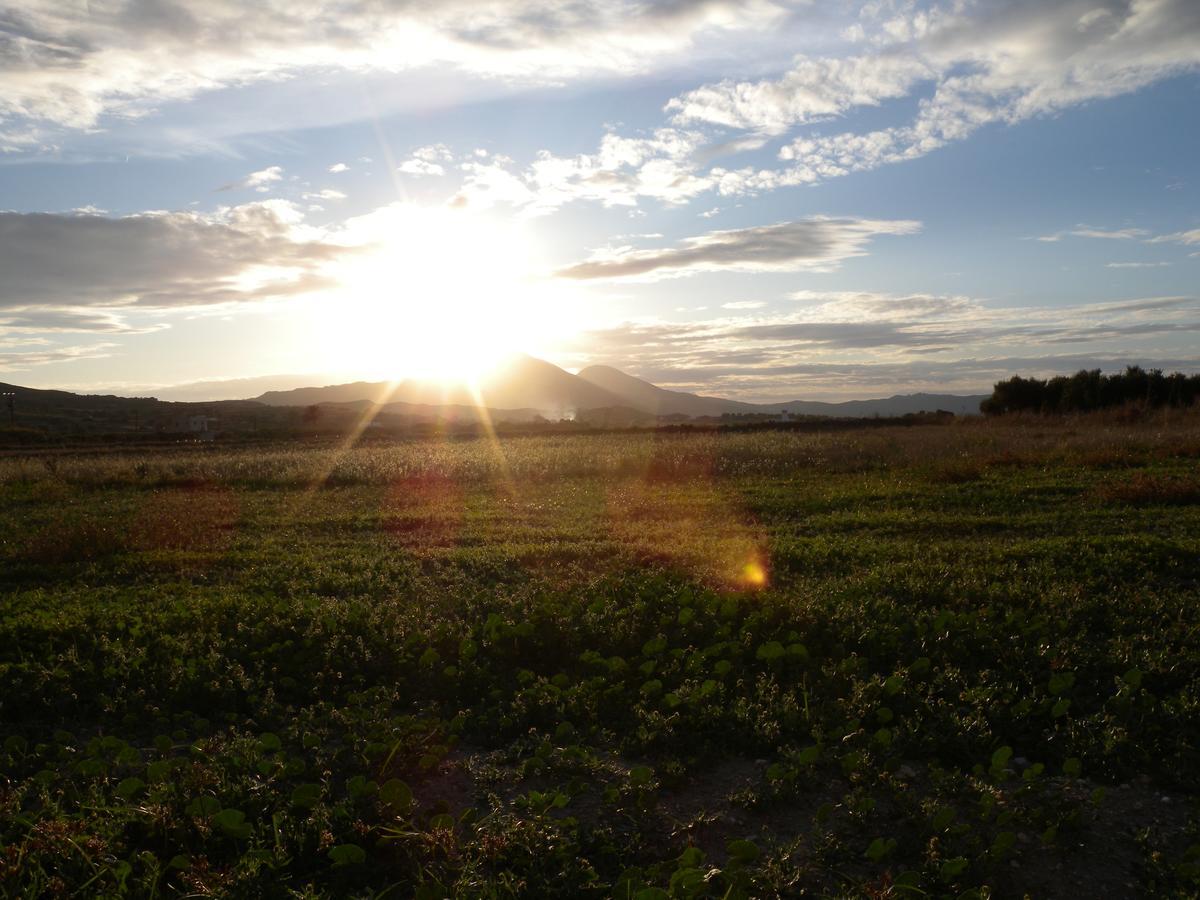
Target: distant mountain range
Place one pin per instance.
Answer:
(524, 390)
(525, 386)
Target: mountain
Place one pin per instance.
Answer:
(64, 412)
(896, 405)
(425, 412)
(228, 388)
(644, 396)
(525, 383)
(520, 383)
(521, 391)
(354, 392)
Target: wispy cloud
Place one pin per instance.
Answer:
(324, 194)
(842, 341)
(1091, 231)
(29, 359)
(70, 65)
(259, 181)
(1178, 237)
(1001, 62)
(818, 244)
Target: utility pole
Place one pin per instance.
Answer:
(10, 400)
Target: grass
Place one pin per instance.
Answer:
(957, 660)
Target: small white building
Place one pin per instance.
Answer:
(203, 428)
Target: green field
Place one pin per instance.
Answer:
(946, 660)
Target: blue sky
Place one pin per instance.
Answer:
(765, 200)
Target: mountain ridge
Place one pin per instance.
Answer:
(530, 383)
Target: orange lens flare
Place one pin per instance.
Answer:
(754, 574)
(679, 515)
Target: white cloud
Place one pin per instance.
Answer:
(259, 181)
(487, 184)
(324, 194)
(1136, 265)
(263, 177)
(71, 64)
(814, 89)
(338, 168)
(815, 244)
(416, 166)
(988, 63)
(1105, 234)
(744, 304)
(434, 152)
(1179, 237)
(427, 160)
(1091, 231)
(662, 166)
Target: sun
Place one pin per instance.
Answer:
(435, 293)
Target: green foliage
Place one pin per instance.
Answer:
(1086, 391)
(438, 677)
(347, 855)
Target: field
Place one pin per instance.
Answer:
(948, 660)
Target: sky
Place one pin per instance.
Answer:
(758, 199)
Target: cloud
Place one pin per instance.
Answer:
(850, 306)
(1179, 237)
(428, 160)
(70, 65)
(744, 304)
(338, 168)
(259, 180)
(818, 244)
(28, 359)
(420, 167)
(156, 260)
(994, 62)
(1091, 231)
(67, 319)
(842, 342)
(1136, 265)
(852, 335)
(661, 165)
(491, 183)
(1119, 234)
(814, 89)
(324, 194)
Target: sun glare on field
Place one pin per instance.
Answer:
(436, 293)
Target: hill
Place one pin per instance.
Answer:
(523, 390)
(896, 405)
(527, 383)
(647, 397)
(522, 382)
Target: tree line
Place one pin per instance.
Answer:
(1089, 390)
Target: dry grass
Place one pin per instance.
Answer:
(959, 451)
(1149, 489)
